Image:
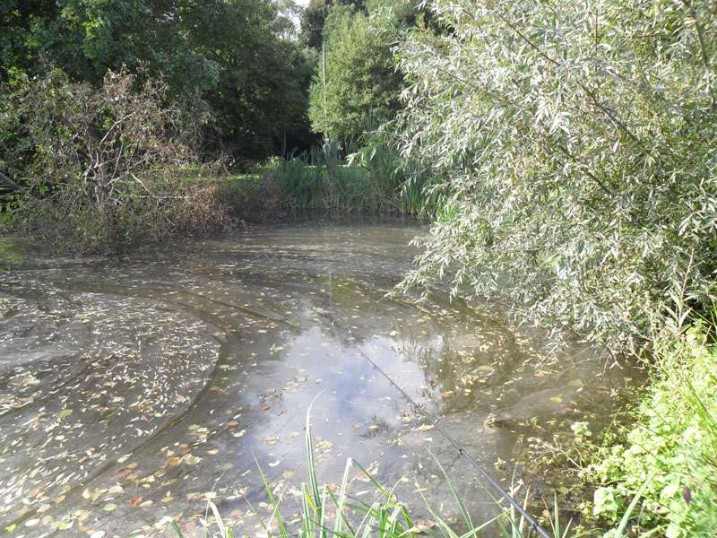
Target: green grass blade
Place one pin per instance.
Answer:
(628, 513)
(177, 530)
(276, 513)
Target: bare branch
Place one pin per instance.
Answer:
(9, 182)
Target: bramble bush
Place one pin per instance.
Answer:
(574, 152)
(94, 169)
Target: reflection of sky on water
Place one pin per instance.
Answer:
(131, 389)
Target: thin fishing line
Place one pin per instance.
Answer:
(461, 450)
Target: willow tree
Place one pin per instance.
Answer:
(574, 149)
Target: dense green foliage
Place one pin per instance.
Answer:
(357, 87)
(370, 183)
(313, 20)
(669, 457)
(100, 101)
(574, 151)
(237, 55)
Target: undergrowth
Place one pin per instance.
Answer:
(669, 456)
(372, 180)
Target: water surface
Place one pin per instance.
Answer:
(132, 390)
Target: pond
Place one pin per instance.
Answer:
(133, 389)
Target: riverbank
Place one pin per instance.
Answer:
(658, 474)
(200, 201)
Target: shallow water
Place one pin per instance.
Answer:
(132, 390)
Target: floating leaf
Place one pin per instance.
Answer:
(424, 427)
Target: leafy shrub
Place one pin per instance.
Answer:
(92, 167)
(670, 455)
(574, 154)
(371, 181)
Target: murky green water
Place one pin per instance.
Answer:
(131, 390)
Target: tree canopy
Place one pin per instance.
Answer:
(356, 87)
(237, 55)
(575, 154)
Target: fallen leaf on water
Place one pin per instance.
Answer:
(425, 524)
(122, 473)
(134, 501)
(424, 427)
(109, 507)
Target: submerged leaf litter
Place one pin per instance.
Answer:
(133, 390)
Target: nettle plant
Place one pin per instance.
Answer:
(574, 149)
